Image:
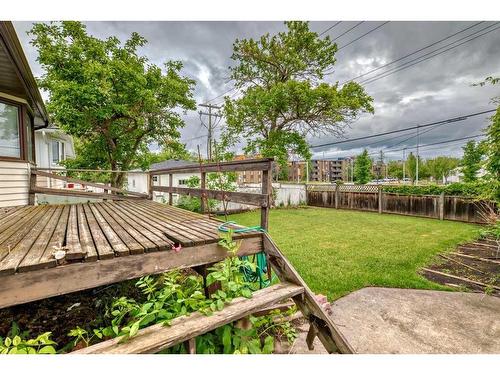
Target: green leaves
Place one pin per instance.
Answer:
(42, 344)
(107, 94)
(362, 168)
(284, 98)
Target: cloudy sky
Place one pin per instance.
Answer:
(435, 89)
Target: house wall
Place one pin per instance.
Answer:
(43, 150)
(138, 182)
(14, 183)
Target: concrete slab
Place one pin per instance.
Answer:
(386, 320)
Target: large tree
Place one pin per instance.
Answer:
(492, 143)
(108, 95)
(362, 168)
(471, 161)
(284, 95)
(441, 167)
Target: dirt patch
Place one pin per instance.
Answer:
(61, 314)
(474, 266)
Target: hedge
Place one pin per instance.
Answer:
(482, 189)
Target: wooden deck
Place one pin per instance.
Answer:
(104, 242)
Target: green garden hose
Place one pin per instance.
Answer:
(260, 258)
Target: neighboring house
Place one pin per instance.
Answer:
(52, 146)
(138, 180)
(247, 177)
(456, 175)
(21, 113)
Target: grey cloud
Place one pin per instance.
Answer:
(436, 89)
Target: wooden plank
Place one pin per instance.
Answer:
(461, 278)
(133, 246)
(154, 235)
(11, 262)
(13, 217)
(332, 339)
(79, 193)
(142, 241)
(104, 250)
(74, 248)
(32, 261)
(260, 200)
(228, 166)
(57, 240)
(85, 236)
(93, 184)
(31, 286)
(166, 228)
(476, 258)
(193, 227)
(10, 237)
(159, 337)
(119, 248)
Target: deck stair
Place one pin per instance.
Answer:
(158, 337)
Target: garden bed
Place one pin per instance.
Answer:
(474, 266)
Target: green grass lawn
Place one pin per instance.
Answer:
(339, 251)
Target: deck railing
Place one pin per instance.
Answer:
(100, 190)
(80, 188)
(262, 200)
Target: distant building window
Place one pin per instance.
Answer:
(183, 182)
(133, 183)
(10, 144)
(155, 178)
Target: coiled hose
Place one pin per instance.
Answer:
(260, 259)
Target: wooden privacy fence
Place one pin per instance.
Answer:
(373, 198)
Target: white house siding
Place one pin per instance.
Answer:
(138, 182)
(14, 183)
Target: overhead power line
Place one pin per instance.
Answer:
(454, 119)
(407, 64)
(330, 28)
(413, 53)
(348, 30)
(362, 36)
(431, 144)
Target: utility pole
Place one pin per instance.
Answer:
(404, 164)
(418, 141)
(213, 120)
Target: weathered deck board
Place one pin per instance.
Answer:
(74, 248)
(154, 235)
(32, 260)
(15, 257)
(96, 231)
(86, 242)
(104, 250)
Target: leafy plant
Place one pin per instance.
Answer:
(17, 343)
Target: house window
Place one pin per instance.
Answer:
(10, 144)
(183, 182)
(58, 152)
(133, 183)
(155, 178)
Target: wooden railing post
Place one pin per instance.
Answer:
(380, 196)
(170, 184)
(337, 192)
(267, 189)
(150, 186)
(203, 198)
(31, 193)
(441, 206)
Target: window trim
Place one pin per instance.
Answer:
(20, 128)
